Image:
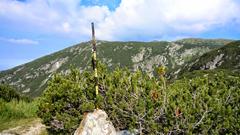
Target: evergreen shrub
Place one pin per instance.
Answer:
(134, 101)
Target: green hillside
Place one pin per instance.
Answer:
(225, 58)
(31, 78)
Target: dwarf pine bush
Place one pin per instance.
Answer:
(134, 101)
(7, 93)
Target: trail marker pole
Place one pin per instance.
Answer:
(94, 59)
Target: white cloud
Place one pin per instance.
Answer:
(22, 41)
(132, 20)
(66, 27)
(169, 17)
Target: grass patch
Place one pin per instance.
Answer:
(15, 113)
(14, 123)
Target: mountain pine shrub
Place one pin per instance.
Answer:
(133, 100)
(7, 93)
(207, 105)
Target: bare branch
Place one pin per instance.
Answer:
(200, 121)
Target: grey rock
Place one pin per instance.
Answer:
(96, 123)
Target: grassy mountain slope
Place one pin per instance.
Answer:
(226, 58)
(31, 78)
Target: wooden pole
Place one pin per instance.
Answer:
(94, 59)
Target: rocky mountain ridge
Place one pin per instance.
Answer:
(31, 78)
(224, 58)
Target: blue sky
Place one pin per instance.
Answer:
(30, 29)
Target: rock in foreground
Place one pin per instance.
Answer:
(96, 123)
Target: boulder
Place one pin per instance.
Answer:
(96, 123)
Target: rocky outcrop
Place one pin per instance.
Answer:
(96, 123)
(213, 64)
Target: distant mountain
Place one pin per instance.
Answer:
(223, 58)
(31, 78)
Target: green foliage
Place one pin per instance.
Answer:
(125, 96)
(204, 105)
(208, 105)
(66, 99)
(16, 110)
(14, 107)
(209, 73)
(7, 93)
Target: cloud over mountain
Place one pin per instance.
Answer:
(131, 20)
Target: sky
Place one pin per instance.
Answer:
(30, 29)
